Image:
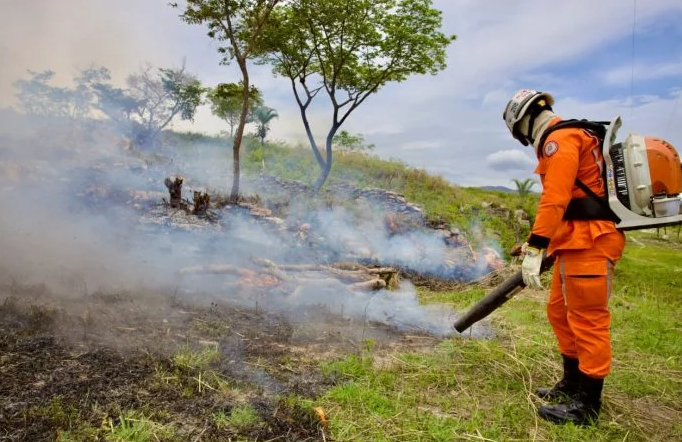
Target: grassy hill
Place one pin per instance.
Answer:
(443, 203)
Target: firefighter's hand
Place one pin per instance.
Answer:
(530, 268)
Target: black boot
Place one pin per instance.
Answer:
(582, 410)
(567, 387)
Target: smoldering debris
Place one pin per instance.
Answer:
(88, 212)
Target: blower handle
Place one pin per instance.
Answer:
(493, 300)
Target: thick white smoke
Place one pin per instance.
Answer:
(71, 221)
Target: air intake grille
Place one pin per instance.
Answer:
(619, 172)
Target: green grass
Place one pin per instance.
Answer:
(243, 417)
(190, 372)
(135, 427)
(483, 389)
(128, 426)
(195, 359)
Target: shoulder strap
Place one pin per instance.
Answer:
(598, 128)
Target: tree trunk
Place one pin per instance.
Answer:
(323, 177)
(328, 163)
(311, 139)
(234, 195)
(306, 124)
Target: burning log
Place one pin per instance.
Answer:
(352, 275)
(390, 275)
(202, 201)
(380, 270)
(343, 270)
(373, 284)
(272, 274)
(348, 266)
(248, 278)
(290, 267)
(214, 269)
(174, 185)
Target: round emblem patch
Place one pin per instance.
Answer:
(551, 148)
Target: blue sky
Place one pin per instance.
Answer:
(653, 60)
(450, 124)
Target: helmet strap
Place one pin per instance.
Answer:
(531, 125)
(535, 110)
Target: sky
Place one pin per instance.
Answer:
(599, 59)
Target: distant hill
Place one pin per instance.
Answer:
(498, 189)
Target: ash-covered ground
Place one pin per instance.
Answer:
(71, 366)
(103, 284)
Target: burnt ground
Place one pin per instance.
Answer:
(70, 368)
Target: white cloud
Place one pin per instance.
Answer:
(623, 75)
(421, 145)
(509, 160)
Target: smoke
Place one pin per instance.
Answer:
(47, 34)
(72, 222)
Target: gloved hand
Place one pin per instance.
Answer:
(530, 267)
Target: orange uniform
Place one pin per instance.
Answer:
(586, 251)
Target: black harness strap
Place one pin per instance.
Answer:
(597, 128)
(585, 208)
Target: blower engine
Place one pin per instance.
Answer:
(644, 180)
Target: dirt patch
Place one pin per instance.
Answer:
(76, 366)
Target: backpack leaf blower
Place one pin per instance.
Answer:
(643, 177)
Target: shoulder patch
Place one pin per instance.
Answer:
(551, 148)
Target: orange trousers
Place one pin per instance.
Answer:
(578, 304)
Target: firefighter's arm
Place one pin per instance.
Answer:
(561, 168)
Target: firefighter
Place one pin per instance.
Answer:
(585, 246)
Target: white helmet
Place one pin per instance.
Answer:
(525, 102)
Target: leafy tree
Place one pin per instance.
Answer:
(226, 103)
(236, 25)
(37, 97)
(523, 187)
(350, 49)
(345, 142)
(115, 103)
(262, 117)
(83, 94)
(158, 98)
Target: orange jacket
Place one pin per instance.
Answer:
(567, 154)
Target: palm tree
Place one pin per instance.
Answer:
(262, 116)
(523, 186)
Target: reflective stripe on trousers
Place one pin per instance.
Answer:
(578, 303)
